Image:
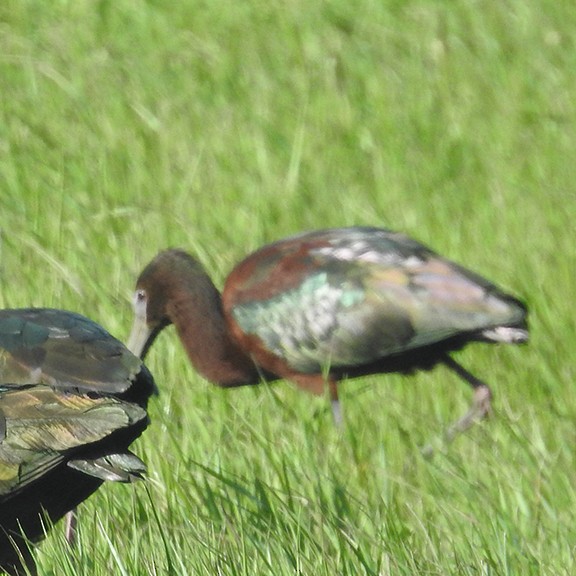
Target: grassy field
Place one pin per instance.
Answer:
(130, 126)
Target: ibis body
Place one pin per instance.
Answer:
(72, 399)
(323, 306)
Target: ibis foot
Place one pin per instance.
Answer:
(480, 408)
(481, 405)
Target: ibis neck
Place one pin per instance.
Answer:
(200, 323)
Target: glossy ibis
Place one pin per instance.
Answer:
(72, 399)
(326, 305)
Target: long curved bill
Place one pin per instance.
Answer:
(141, 337)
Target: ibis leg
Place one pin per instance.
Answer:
(316, 384)
(480, 404)
(335, 402)
(71, 523)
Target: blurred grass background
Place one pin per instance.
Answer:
(129, 126)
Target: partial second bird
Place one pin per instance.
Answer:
(324, 306)
(72, 399)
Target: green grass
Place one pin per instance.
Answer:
(130, 126)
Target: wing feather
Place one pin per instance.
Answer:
(62, 349)
(355, 296)
(43, 427)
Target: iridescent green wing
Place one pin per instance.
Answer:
(422, 302)
(62, 349)
(353, 296)
(40, 428)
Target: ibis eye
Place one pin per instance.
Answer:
(139, 302)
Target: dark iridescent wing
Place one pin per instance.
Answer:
(62, 349)
(41, 427)
(346, 297)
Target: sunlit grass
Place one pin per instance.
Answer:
(130, 126)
